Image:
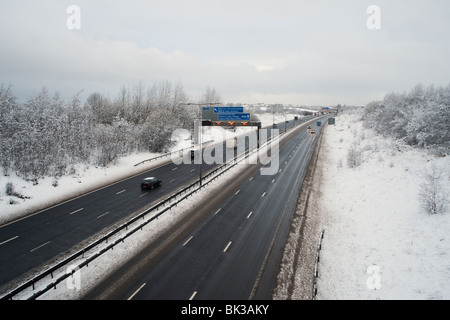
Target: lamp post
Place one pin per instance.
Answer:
(199, 129)
(273, 117)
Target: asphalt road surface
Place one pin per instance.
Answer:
(235, 249)
(34, 241)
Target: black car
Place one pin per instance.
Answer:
(194, 153)
(150, 183)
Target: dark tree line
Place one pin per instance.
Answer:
(48, 136)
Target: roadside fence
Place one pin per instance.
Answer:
(316, 265)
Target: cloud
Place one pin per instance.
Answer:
(289, 51)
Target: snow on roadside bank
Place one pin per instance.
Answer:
(378, 243)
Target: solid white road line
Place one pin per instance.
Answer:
(135, 293)
(8, 240)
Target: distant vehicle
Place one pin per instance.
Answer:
(193, 152)
(313, 132)
(150, 183)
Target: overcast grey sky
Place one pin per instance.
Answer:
(302, 52)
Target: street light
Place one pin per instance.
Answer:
(199, 129)
(273, 117)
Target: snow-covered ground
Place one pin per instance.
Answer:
(379, 244)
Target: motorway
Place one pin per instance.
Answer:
(28, 244)
(234, 252)
(34, 241)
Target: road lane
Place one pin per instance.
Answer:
(72, 222)
(255, 242)
(226, 254)
(65, 226)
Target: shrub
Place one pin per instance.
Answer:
(354, 156)
(431, 193)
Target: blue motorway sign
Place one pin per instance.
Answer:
(228, 110)
(233, 116)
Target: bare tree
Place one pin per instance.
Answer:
(163, 92)
(431, 193)
(101, 107)
(136, 112)
(210, 96)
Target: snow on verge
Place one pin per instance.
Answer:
(379, 244)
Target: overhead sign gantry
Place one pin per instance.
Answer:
(228, 117)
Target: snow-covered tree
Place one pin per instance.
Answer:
(210, 96)
(420, 117)
(47, 136)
